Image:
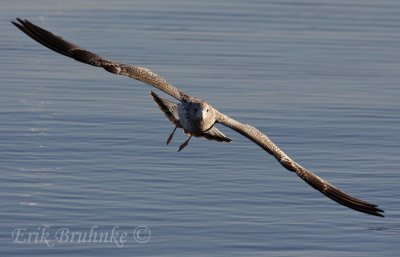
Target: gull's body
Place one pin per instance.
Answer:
(195, 116)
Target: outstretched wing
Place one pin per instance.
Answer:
(313, 180)
(59, 45)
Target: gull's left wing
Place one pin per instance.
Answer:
(313, 180)
(60, 45)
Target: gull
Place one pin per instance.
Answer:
(195, 116)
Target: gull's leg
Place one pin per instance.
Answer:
(172, 135)
(184, 144)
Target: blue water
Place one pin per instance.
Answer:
(83, 149)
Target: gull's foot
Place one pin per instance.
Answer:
(184, 144)
(171, 136)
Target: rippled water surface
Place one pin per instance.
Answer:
(82, 149)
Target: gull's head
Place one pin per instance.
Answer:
(202, 115)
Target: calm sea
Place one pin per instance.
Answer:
(85, 170)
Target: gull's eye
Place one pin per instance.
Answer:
(195, 110)
(208, 110)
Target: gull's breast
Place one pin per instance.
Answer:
(188, 122)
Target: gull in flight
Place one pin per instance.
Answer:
(196, 117)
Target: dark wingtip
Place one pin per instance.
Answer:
(15, 22)
(334, 193)
(379, 212)
(353, 203)
(21, 21)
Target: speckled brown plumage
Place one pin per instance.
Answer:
(195, 116)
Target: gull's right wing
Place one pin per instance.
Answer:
(59, 45)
